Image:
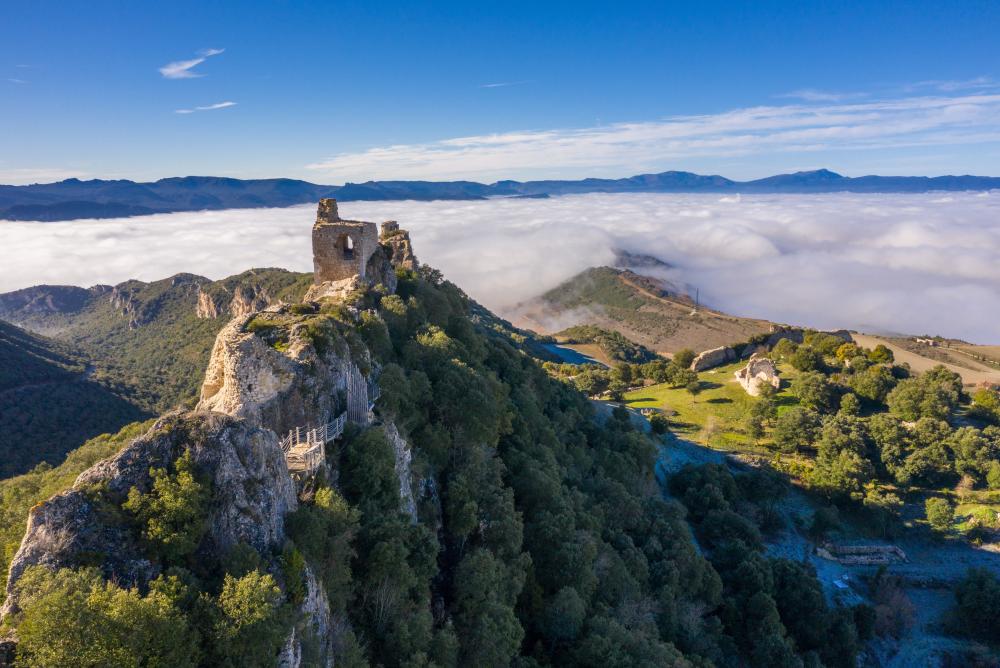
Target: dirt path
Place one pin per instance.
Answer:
(920, 363)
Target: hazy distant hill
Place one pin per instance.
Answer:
(73, 198)
(641, 308)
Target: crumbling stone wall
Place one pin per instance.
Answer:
(341, 248)
(758, 372)
(712, 358)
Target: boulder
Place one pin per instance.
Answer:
(712, 358)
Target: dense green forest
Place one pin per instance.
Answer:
(49, 404)
(543, 538)
(616, 346)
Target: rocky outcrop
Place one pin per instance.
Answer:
(404, 457)
(246, 299)
(123, 301)
(713, 358)
(398, 242)
(250, 485)
(206, 309)
(758, 372)
(249, 377)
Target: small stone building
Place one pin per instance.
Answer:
(341, 248)
(758, 372)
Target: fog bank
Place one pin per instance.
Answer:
(927, 263)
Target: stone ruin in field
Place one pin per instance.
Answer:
(758, 372)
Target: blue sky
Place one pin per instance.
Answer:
(339, 91)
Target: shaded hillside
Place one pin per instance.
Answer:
(96, 198)
(49, 404)
(639, 308)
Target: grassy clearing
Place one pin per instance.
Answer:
(715, 416)
(977, 509)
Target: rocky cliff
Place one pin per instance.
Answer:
(271, 372)
(251, 493)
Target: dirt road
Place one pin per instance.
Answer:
(919, 363)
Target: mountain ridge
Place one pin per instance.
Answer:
(96, 198)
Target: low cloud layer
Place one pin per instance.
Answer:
(890, 263)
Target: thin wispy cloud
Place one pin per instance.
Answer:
(953, 85)
(629, 148)
(813, 95)
(17, 81)
(502, 84)
(184, 69)
(208, 107)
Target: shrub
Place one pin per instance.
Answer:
(174, 512)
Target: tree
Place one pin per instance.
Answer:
(75, 618)
(807, 358)
(659, 423)
(940, 514)
(564, 615)
(796, 428)
(847, 351)
(683, 377)
(251, 624)
(784, 349)
(977, 604)
(814, 391)
(682, 358)
(934, 394)
(849, 404)
(993, 475)
(881, 354)
(174, 512)
(873, 383)
(693, 388)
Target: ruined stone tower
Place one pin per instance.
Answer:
(341, 248)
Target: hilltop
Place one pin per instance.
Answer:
(655, 314)
(96, 198)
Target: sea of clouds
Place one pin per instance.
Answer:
(927, 263)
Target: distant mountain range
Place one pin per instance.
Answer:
(73, 198)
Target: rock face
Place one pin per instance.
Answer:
(278, 390)
(245, 300)
(251, 487)
(758, 372)
(398, 241)
(712, 358)
(404, 457)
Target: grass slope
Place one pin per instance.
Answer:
(625, 302)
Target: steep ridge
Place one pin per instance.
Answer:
(656, 315)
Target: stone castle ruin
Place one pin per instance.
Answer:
(758, 372)
(341, 248)
(351, 254)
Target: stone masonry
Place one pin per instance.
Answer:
(341, 248)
